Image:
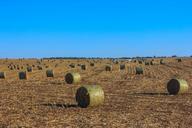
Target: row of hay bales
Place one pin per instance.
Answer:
(93, 95)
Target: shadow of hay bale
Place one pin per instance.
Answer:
(151, 94)
(57, 105)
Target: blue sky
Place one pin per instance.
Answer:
(103, 28)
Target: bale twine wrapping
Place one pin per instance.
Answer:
(139, 70)
(22, 75)
(50, 73)
(177, 86)
(72, 78)
(2, 75)
(89, 96)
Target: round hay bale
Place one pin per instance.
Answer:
(29, 69)
(147, 63)
(108, 68)
(140, 61)
(139, 70)
(72, 65)
(50, 73)
(162, 61)
(122, 67)
(83, 67)
(72, 78)
(92, 64)
(177, 86)
(39, 68)
(22, 75)
(2, 75)
(89, 96)
(179, 60)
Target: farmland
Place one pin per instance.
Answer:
(130, 100)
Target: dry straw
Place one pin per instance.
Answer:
(89, 96)
(177, 86)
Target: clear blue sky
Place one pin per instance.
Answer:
(104, 28)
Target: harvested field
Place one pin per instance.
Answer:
(135, 101)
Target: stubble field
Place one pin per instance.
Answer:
(135, 101)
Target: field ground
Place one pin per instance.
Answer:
(135, 101)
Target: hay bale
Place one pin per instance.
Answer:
(2, 75)
(83, 67)
(108, 68)
(92, 64)
(22, 75)
(29, 69)
(72, 65)
(89, 96)
(139, 70)
(162, 61)
(39, 68)
(50, 73)
(72, 78)
(179, 60)
(140, 61)
(122, 67)
(177, 86)
(147, 63)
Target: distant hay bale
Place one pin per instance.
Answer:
(89, 96)
(162, 62)
(147, 63)
(72, 65)
(72, 78)
(29, 69)
(179, 60)
(177, 86)
(2, 75)
(108, 68)
(56, 65)
(154, 63)
(22, 75)
(50, 73)
(122, 67)
(92, 64)
(83, 67)
(139, 70)
(140, 61)
(39, 68)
